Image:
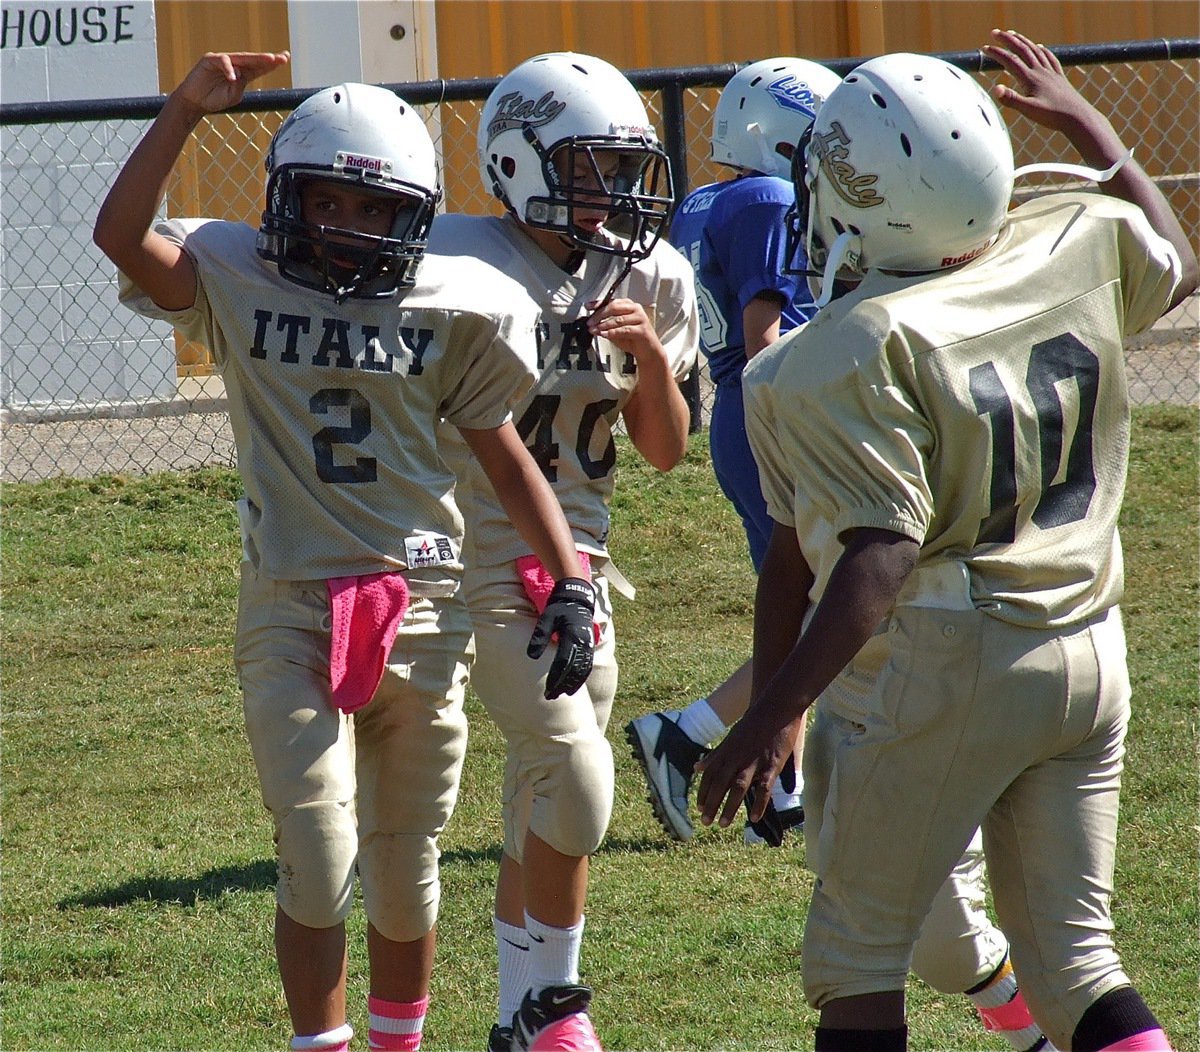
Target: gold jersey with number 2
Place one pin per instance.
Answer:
(334, 407)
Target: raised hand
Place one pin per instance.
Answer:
(1042, 92)
(219, 79)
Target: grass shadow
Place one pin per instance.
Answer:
(612, 845)
(180, 891)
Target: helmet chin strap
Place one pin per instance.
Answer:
(1095, 175)
(842, 247)
(612, 291)
(837, 254)
(767, 163)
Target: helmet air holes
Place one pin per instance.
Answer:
(879, 100)
(955, 134)
(363, 232)
(553, 138)
(905, 145)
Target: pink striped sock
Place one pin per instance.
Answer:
(1147, 1041)
(395, 1026)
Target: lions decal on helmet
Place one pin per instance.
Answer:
(765, 109)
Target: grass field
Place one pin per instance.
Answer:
(137, 869)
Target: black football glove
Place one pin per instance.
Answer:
(770, 827)
(568, 618)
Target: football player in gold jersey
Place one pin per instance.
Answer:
(954, 435)
(342, 344)
(567, 147)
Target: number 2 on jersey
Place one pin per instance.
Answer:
(364, 469)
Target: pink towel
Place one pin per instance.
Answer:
(365, 613)
(539, 584)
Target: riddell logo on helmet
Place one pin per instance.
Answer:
(832, 150)
(353, 162)
(950, 261)
(631, 131)
(514, 110)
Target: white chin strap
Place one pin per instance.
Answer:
(837, 254)
(768, 160)
(1078, 170)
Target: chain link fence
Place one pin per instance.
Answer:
(90, 388)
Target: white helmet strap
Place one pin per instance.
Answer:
(1095, 175)
(837, 255)
(767, 162)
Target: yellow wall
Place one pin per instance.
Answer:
(188, 28)
(482, 38)
(221, 173)
(485, 38)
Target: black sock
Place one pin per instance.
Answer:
(830, 1040)
(1119, 1013)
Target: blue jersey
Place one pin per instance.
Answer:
(734, 235)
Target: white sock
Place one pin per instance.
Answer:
(553, 954)
(701, 723)
(784, 800)
(512, 949)
(338, 1037)
(1002, 994)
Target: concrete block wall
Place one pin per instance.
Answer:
(64, 338)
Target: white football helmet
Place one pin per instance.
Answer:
(908, 167)
(765, 106)
(371, 139)
(564, 113)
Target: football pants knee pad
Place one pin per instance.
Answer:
(400, 884)
(573, 803)
(959, 946)
(316, 846)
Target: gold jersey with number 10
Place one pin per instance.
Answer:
(982, 412)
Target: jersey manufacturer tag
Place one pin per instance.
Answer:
(428, 549)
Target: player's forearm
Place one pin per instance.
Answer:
(132, 203)
(534, 511)
(657, 416)
(1092, 134)
(860, 593)
(526, 497)
(780, 603)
